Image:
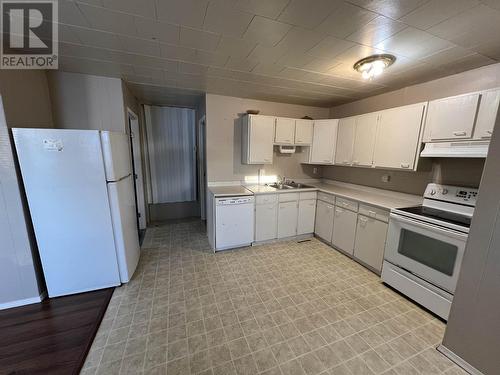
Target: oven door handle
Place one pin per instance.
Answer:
(432, 227)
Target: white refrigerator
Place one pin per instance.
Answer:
(81, 199)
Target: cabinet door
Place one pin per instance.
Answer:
(344, 230)
(285, 131)
(370, 242)
(364, 139)
(398, 135)
(324, 141)
(345, 141)
(303, 132)
(324, 220)
(261, 136)
(487, 114)
(266, 216)
(287, 219)
(307, 213)
(451, 118)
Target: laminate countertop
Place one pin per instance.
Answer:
(229, 191)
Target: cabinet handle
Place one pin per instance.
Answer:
(355, 162)
(363, 221)
(372, 213)
(345, 162)
(459, 133)
(339, 210)
(405, 165)
(490, 132)
(287, 140)
(266, 160)
(327, 160)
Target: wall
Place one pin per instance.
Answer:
(224, 138)
(26, 103)
(463, 172)
(473, 330)
(82, 101)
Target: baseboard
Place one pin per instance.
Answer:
(21, 302)
(458, 360)
(300, 237)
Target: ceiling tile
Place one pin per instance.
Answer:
(108, 20)
(436, 11)
(390, 8)
(306, 13)
(153, 62)
(175, 52)
(376, 31)
(268, 69)
(466, 63)
(226, 20)
(345, 20)
(198, 39)
(266, 54)
(296, 59)
(70, 14)
(471, 27)
(330, 47)
(144, 8)
(182, 12)
(447, 55)
(414, 43)
(300, 39)
(265, 8)
(68, 34)
(320, 65)
(490, 48)
(265, 31)
(99, 39)
(492, 3)
(161, 31)
(154, 74)
(140, 46)
(244, 65)
(235, 47)
(192, 68)
(208, 58)
(78, 50)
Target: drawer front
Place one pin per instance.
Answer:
(347, 204)
(328, 198)
(374, 212)
(265, 199)
(288, 197)
(308, 195)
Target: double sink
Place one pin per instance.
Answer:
(289, 185)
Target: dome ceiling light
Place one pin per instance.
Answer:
(374, 65)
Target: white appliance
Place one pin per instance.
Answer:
(463, 149)
(425, 246)
(81, 199)
(234, 222)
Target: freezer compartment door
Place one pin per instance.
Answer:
(65, 186)
(123, 215)
(116, 153)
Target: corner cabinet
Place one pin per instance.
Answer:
(322, 150)
(257, 139)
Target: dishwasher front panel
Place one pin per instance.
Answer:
(234, 222)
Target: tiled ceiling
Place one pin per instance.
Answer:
(296, 51)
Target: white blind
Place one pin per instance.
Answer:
(172, 157)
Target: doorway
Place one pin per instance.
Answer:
(135, 151)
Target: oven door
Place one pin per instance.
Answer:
(429, 251)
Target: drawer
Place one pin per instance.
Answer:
(288, 197)
(374, 212)
(347, 204)
(265, 199)
(328, 198)
(307, 195)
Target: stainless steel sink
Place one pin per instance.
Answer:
(280, 186)
(289, 185)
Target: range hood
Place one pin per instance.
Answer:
(464, 149)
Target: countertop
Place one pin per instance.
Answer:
(385, 199)
(229, 191)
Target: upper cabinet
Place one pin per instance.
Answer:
(322, 150)
(451, 118)
(285, 131)
(257, 139)
(345, 141)
(398, 137)
(364, 139)
(487, 114)
(303, 132)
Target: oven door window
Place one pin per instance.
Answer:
(433, 253)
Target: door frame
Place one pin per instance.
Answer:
(134, 132)
(202, 167)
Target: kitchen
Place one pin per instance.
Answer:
(327, 222)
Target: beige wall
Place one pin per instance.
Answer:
(473, 330)
(82, 101)
(448, 171)
(224, 138)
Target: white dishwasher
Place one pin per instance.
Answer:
(234, 222)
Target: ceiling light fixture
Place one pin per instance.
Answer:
(374, 65)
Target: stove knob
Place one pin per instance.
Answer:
(433, 192)
(445, 191)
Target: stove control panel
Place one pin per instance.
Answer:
(452, 194)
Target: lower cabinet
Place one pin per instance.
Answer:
(324, 220)
(307, 212)
(344, 230)
(266, 216)
(287, 219)
(370, 241)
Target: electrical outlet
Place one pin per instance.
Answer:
(386, 178)
(315, 170)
